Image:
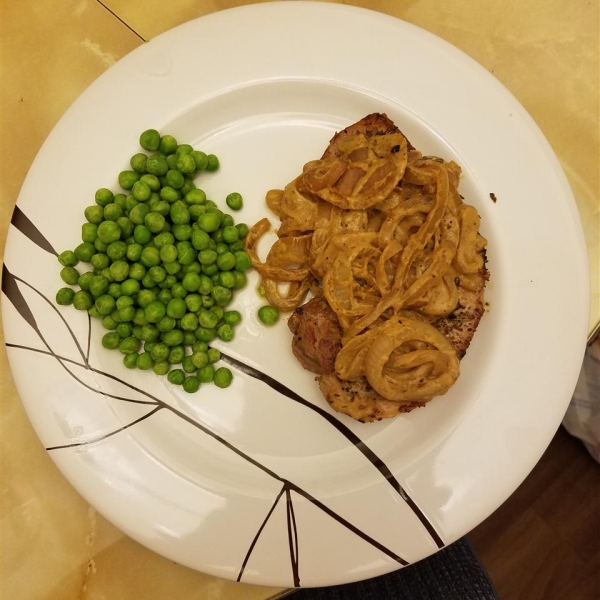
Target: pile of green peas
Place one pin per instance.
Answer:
(165, 263)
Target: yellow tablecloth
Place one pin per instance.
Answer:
(54, 546)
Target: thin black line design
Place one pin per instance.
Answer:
(13, 293)
(89, 339)
(121, 20)
(21, 221)
(292, 537)
(347, 433)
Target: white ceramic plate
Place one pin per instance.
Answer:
(263, 483)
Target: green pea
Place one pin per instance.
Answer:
(84, 280)
(82, 300)
(150, 257)
(127, 313)
(225, 332)
(172, 161)
(218, 311)
(144, 361)
(108, 322)
(193, 302)
(226, 261)
(191, 384)
(123, 301)
(179, 213)
(157, 274)
(89, 232)
(189, 322)
(221, 248)
(157, 165)
(176, 355)
(188, 365)
(209, 222)
(205, 334)
(210, 204)
(208, 319)
(69, 275)
(195, 197)
(242, 261)
(185, 253)
(152, 182)
(221, 295)
(121, 200)
(210, 270)
(178, 290)
(182, 231)
(108, 232)
(100, 246)
(114, 290)
(191, 281)
(185, 164)
(213, 163)
(207, 301)
(200, 239)
(213, 355)
(243, 229)
(147, 282)
(269, 315)
(193, 267)
(176, 376)
(206, 374)
(124, 330)
(100, 261)
(129, 345)
(137, 271)
(64, 296)
(238, 246)
(145, 297)
(111, 340)
(169, 194)
(106, 274)
(207, 257)
(138, 317)
(234, 201)
(163, 239)
(149, 333)
(138, 162)
(176, 308)
(199, 359)
(222, 377)
(84, 252)
(126, 227)
(103, 197)
(105, 304)
(137, 332)
(94, 214)
(112, 212)
(93, 312)
(150, 140)
(127, 179)
(155, 311)
(141, 191)
(130, 360)
(167, 145)
(200, 158)
(227, 221)
(161, 368)
(160, 352)
(98, 285)
(154, 221)
(230, 234)
(117, 250)
(174, 178)
(232, 317)
(215, 279)
(164, 296)
(195, 211)
(68, 258)
(173, 337)
(166, 324)
(199, 346)
(129, 287)
(205, 286)
(119, 270)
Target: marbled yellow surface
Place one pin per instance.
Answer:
(54, 546)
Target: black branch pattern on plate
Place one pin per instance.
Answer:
(13, 293)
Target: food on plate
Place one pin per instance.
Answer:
(381, 237)
(164, 264)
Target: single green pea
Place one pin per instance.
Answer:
(182, 231)
(89, 232)
(221, 295)
(185, 253)
(199, 359)
(106, 274)
(238, 246)
(199, 346)
(114, 290)
(164, 295)
(117, 250)
(230, 234)
(189, 322)
(188, 365)
(163, 239)
(112, 212)
(210, 204)
(209, 222)
(206, 374)
(111, 340)
(157, 165)
(108, 322)
(82, 300)
(100, 261)
(123, 301)
(221, 248)
(137, 332)
(193, 267)
(130, 360)
(178, 290)
(162, 208)
(134, 253)
(195, 211)
(225, 332)
(215, 279)
(173, 337)
(138, 317)
(176, 308)
(127, 313)
(172, 161)
(128, 178)
(176, 376)
(155, 311)
(169, 194)
(161, 368)
(179, 213)
(98, 285)
(69, 275)
(94, 214)
(213, 163)
(84, 280)
(185, 164)
(138, 213)
(141, 191)
(195, 196)
(200, 158)
(176, 355)
(108, 232)
(232, 317)
(223, 377)
(93, 312)
(152, 182)
(183, 149)
(149, 333)
(154, 221)
(213, 355)
(137, 271)
(119, 270)
(188, 338)
(193, 302)
(207, 257)
(210, 270)
(126, 227)
(130, 287)
(168, 253)
(150, 257)
(144, 361)
(166, 324)
(150, 140)
(157, 274)
(121, 200)
(100, 246)
(145, 297)
(205, 286)
(174, 178)
(167, 145)
(103, 197)
(227, 221)
(138, 162)
(218, 311)
(84, 252)
(226, 261)
(268, 315)
(234, 201)
(130, 204)
(207, 302)
(124, 330)
(200, 239)
(240, 280)
(243, 229)
(148, 283)
(191, 384)
(242, 261)
(65, 295)
(205, 334)
(105, 304)
(160, 352)
(191, 281)
(207, 319)
(68, 258)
